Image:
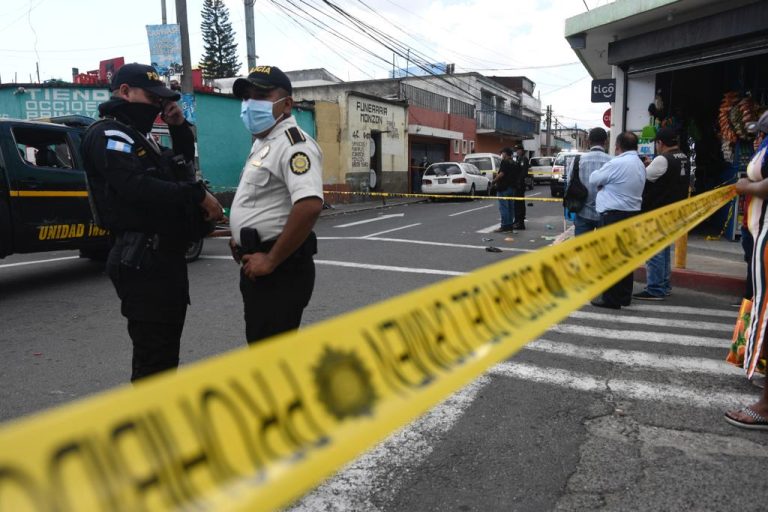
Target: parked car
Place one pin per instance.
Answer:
(487, 163)
(541, 168)
(559, 168)
(454, 178)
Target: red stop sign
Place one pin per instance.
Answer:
(607, 118)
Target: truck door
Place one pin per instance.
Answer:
(48, 196)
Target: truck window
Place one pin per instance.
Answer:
(43, 148)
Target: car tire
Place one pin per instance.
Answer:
(193, 251)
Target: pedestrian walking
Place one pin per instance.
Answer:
(522, 164)
(503, 182)
(587, 219)
(278, 200)
(148, 198)
(667, 179)
(620, 185)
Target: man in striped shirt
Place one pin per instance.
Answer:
(588, 219)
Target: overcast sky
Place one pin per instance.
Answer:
(492, 37)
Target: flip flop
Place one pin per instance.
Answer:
(758, 423)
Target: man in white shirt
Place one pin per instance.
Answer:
(620, 185)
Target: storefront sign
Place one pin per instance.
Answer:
(604, 91)
(607, 118)
(47, 102)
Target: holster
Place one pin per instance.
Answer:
(134, 247)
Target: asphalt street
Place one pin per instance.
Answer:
(606, 411)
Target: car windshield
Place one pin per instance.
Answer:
(482, 163)
(443, 170)
(560, 160)
(540, 162)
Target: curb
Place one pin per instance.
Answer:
(701, 281)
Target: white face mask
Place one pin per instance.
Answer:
(257, 115)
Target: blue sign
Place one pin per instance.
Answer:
(165, 48)
(188, 107)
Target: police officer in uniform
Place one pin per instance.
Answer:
(521, 172)
(277, 202)
(147, 196)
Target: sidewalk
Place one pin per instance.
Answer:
(714, 266)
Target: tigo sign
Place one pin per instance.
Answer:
(604, 91)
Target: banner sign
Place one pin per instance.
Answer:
(604, 91)
(165, 48)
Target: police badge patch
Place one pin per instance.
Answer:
(300, 163)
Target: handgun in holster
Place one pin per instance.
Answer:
(250, 241)
(134, 246)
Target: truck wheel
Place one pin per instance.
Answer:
(193, 251)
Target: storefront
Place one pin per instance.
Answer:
(698, 66)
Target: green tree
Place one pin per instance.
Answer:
(220, 58)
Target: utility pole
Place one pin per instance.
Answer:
(549, 129)
(250, 39)
(186, 59)
(165, 17)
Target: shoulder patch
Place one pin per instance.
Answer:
(117, 134)
(300, 163)
(294, 135)
(118, 146)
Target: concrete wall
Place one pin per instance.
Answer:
(327, 118)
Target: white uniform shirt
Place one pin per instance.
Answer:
(280, 171)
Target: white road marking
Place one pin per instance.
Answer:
(533, 195)
(488, 229)
(472, 210)
(661, 322)
(409, 270)
(420, 242)
(385, 468)
(637, 359)
(647, 336)
(635, 389)
(38, 261)
(391, 230)
(685, 310)
(381, 217)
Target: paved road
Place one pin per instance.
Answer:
(605, 411)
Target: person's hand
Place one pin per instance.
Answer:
(742, 185)
(257, 264)
(233, 248)
(211, 207)
(172, 113)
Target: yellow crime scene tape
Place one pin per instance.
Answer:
(256, 428)
(441, 196)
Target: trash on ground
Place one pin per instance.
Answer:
(492, 249)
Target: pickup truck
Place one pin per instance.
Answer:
(43, 195)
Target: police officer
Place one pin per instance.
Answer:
(522, 165)
(147, 197)
(277, 202)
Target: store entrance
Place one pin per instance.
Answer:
(421, 153)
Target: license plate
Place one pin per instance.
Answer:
(441, 181)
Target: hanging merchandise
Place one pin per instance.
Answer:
(734, 115)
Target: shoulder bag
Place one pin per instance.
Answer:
(575, 196)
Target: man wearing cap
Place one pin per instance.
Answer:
(522, 165)
(147, 197)
(278, 200)
(667, 180)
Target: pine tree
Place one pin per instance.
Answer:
(220, 58)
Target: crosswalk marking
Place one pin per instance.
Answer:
(636, 389)
(659, 322)
(684, 310)
(647, 336)
(636, 359)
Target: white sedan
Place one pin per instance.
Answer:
(454, 178)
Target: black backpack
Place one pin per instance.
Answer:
(575, 196)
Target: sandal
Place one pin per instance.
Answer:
(758, 422)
